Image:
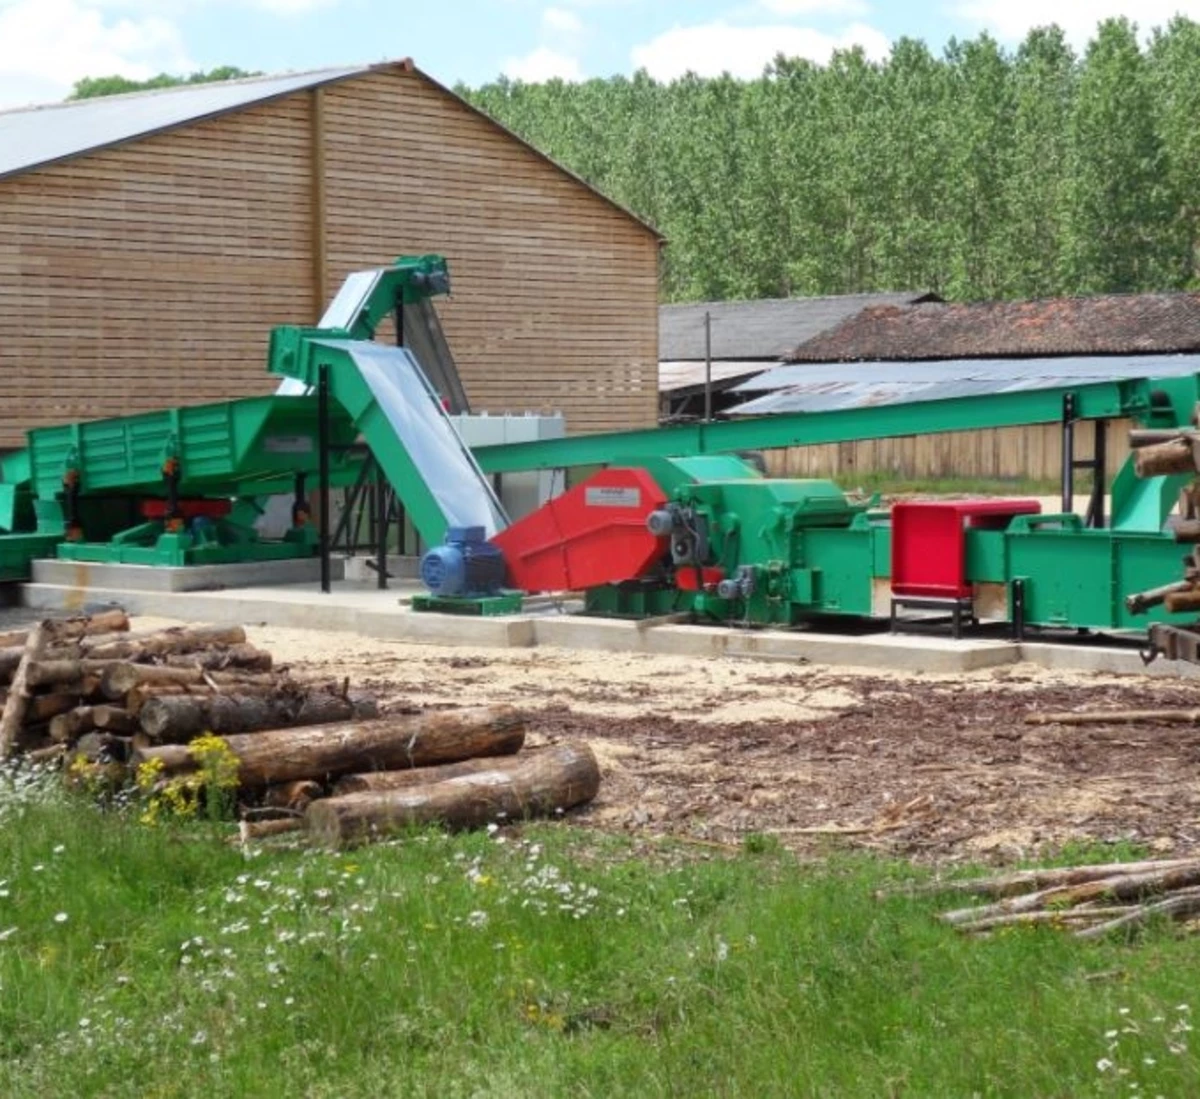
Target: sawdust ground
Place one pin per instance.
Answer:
(936, 767)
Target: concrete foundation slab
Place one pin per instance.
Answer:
(364, 609)
(84, 574)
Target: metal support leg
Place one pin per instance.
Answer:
(1095, 515)
(1017, 601)
(323, 474)
(381, 528)
(1068, 454)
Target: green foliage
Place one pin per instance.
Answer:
(159, 961)
(91, 87)
(980, 173)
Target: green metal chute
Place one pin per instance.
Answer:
(391, 403)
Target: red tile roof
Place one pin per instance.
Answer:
(1101, 325)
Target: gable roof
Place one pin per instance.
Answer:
(33, 137)
(1106, 324)
(765, 329)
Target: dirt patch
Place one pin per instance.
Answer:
(930, 767)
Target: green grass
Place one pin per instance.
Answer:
(545, 962)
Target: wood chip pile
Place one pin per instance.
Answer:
(118, 707)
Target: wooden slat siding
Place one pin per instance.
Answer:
(1010, 453)
(148, 275)
(555, 292)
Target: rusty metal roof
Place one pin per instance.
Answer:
(832, 386)
(1104, 324)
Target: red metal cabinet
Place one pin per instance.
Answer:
(929, 545)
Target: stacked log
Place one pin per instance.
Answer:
(1158, 452)
(115, 706)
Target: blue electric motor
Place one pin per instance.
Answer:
(467, 565)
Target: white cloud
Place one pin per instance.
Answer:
(543, 64)
(817, 7)
(714, 48)
(1011, 20)
(561, 21)
(46, 45)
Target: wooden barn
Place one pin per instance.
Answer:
(148, 243)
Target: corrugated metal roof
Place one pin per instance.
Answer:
(826, 388)
(33, 136)
(765, 329)
(686, 375)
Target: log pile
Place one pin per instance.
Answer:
(1088, 901)
(122, 707)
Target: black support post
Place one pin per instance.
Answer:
(1099, 469)
(323, 474)
(1068, 454)
(382, 525)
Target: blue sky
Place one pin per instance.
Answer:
(45, 45)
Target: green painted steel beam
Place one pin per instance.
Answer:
(1095, 401)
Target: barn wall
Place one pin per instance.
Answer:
(1007, 453)
(555, 302)
(149, 275)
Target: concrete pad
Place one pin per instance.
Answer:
(362, 568)
(906, 653)
(1105, 661)
(364, 609)
(88, 574)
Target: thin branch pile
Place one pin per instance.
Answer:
(1089, 901)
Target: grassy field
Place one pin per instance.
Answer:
(540, 961)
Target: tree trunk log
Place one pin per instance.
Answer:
(46, 707)
(121, 678)
(176, 719)
(260, 829)
(58, 673)
(534, 784)
(64, 629)
(113, 719)
(296, 796)
(324, 752)
(1183, 602)
(178, 639)
(1173, 457)
(69, 727)
(244, 658)
(17, 701)
(1117, 717)
(406, 780)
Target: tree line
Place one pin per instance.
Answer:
(980, 173)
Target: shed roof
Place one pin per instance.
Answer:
(766, 329)
(33, 137)
(1105, 324)
(826, 387)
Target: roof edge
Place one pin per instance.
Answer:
(335, 76)
(535, 150)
